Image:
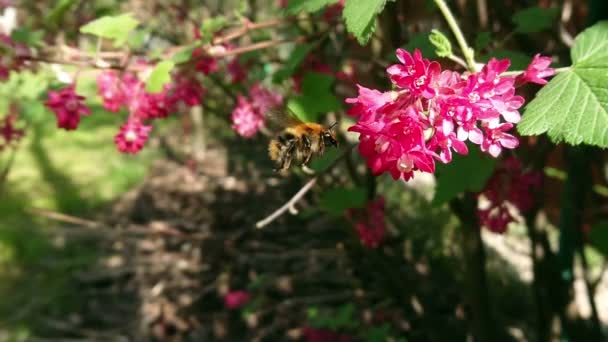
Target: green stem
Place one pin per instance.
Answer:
(468, 52)
(517, 72)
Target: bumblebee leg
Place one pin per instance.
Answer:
(286, 156)
(307, 150)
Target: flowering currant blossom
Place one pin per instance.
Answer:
(236, 299)
(509, 184)
(248, 116)
(67, 106)
(369, 222)
(433, 113)
(8, 132)
(245, 120)
(132, 136)
(537, 71)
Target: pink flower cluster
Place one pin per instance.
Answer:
(509, 184)
(129, 92)
(248, 116)
(369, 222)
(8, 132)
(208, 65)
(432, 113)
(67, 106)
(236, 299)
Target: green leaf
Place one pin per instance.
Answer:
(534, 19)
(184, 55)
(56, 14)
(443, 47)
(519, 60)
(360, 17)
(598, 237)
(210, 26)
(160, 76)
(573, 106)
(465, 173)
(317, 97)
(297, 6)
(482, 40)
(336, 200)
(26, 36)
(293, 62)
(116, 28)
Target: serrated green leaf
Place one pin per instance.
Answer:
(573, 106)
(360, 17)
(443, 47)
(160, 76)
(297, 6)
(464, 173)
(116, 28)
(534, 19)
(293, 62)
(317, 97)
(336, 200)
(26, 36)
(598, 237)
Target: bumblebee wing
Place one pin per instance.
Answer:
(278, 119)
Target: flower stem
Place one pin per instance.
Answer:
(466, 50)
(517, 72)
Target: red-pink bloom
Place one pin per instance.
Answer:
(245, 120)
(369, 222)
(132, 136)
(414, 73)
(333, 11)
(395, 143)
(263, 99)
(509, 184)
(188, 90)
(13, 55)
(236, 71)
(537, 71)
(110, 88)
(203, 63)
(496, 138)
(236, 299)
(321, 335)
(433, 113)
(67, 106)
(9, 133)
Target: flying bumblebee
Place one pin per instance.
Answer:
(298, 141)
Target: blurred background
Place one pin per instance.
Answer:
(162, 245)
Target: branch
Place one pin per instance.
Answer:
(289, 205)
(466, 50)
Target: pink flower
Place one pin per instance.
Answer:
(368, 101)
(188, 90)
(496, 138)
(321, 335)
(414, 73)
(395, 144)
(333, 11)
(537, 71)
(9, 133)
(236, 71)
(245, 120)
(203, 63)
(111, 90)
(236, 299)
(369, 222)
(509, 184)
(132, 136)
(263, 99)
(67, 106)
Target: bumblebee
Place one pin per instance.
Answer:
(298, 141)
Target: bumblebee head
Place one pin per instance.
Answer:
(329, 136)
